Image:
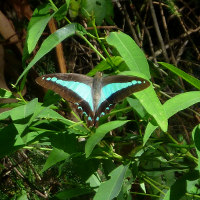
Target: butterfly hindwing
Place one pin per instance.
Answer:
(75, 88)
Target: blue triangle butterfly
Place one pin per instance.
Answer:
(93, 97)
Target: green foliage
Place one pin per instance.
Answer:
(107, 162)
(98, 9)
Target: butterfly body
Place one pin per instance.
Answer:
(93, 97)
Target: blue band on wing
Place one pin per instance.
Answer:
(81, 89)
(112, 88)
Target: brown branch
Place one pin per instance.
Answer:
(59, 49)
(174, 41)
(125, 13)
(167, 34)
(148, 35)
(156, 26)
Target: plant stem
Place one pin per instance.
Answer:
(95, 50)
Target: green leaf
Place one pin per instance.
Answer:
(100, 10)
(48, 113)
(22, 116)
(55, 156)
(130, 52)
(31, 136)
(196, 138)
(52, 41)
(172, 106)
(101, 131)
(137, 63)
(110, 189)
(4, 115)
(37, 24)
(93, 181)
(21, 112)
(181, 102)
(190, 79)
(6, 94)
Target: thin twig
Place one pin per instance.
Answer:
(153, 14)
(167, 34)
(148, 36)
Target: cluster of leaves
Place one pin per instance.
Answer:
(104, 163)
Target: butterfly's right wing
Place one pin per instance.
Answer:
(115, 89)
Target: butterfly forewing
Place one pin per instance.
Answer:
(75, 88)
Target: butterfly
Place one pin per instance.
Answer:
(93, 97)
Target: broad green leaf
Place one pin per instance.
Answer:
(31, 136)
(196, 138)
(190, 79)
(181, 102)
(6, 94)
(93, 181)
(37, 24)
(130, 52)
(100, 10)
(136, 61)
(55, 156)
(151, 103)
(172, 106)
(4, 115)
(52, 41)
(110, 189)
(24, 111)
(101, 131)
(22, 116)
(48, 113)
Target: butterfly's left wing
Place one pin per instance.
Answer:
(75, 88)
(115, 89)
